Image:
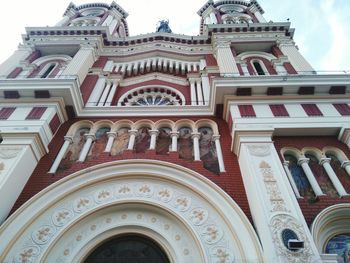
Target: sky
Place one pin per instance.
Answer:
(322, 26)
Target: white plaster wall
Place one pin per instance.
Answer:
(295, 110)
(328, 110)
(19, 163)
(263, 110)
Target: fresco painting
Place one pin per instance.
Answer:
(142, 140)
(74, 149)
(340, 172)
(340, 245)
(322, 177)
(163, 141)
(120, 142)
(99, 144)
(300, 179)
(207, 150)
(185, 144)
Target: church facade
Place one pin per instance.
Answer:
(222, 147)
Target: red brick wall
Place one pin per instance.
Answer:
(230, 181)
(311, 210)
(87, 86)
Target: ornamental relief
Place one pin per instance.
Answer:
(9, 152)
(259, 150)
(277, 225)
(203, 220)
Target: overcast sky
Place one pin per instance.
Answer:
(322, 26)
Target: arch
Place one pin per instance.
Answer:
(101, 124)
(143, 123)
(80, 124)
(313, 151)
(164, 123)
(248, 54)
(163, 191)
(185, 123)
(332, 221)
(336, 152)
(49, 58)
(207, 123)
(122, 124)
(291, 151)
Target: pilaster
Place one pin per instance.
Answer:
(226, 60)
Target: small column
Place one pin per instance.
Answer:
(304, 163)
(68, 140)
(154, 134)
(104, 95)
(193, 92)
(89, 139)
(206, 89)
(111, 137)
(346, 166)
(111, 93)
(132, 137)
(226, 60)
(291, 180)
(195, 138)
(325, 162)
(213, 18)
(174, 137)
(97, 91)
(199, 92)
(255, 10)
(216, 139)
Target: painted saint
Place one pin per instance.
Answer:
(207, 150)
(142, 140)
(163, 141)
(185, 144)
(121, 142)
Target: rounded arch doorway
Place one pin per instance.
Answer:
(130, 248)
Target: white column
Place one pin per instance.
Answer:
(193, 92)
(174, 137)
(325, 162)
(142, 66)
(108, 20)
(148, 65)
(129, 69)
(195, 138)
(296, 59)
(132, 139)
(103, 98)
(346, 166)
(213, 18)
(14, 60)
(111, 93)
(111, 137)
(89, 139)
(245, 69)
(291, 180)
(216, 139)
(225, 58)
(304, 163)
(81, 63)
(206, 88)
(154, 134)
(68, 140)
(254, 9)
(199, 92)
(177, 65)
(97, 91)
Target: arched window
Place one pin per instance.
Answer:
(100, 143)
(128, 249)
(207, 150)
(185, 144)
(48, 70)
(121, 142)
(258, 68)
(163, 141)
(339, 171)
(300, 179)
(340, 245)
(142, 140)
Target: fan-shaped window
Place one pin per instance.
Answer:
(340, 245)
(128, 249)
(152, 97)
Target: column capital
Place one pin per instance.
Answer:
(303, 160)
(345, 164)
(111, 134)
(90, 136)
(174, 134)
(286, 163)
(133, 132)
(216, 137)
(68, 139)
(151, 132)
(285, 42)
(195, 135)
(324, 160)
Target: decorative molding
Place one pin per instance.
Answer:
(260, 150)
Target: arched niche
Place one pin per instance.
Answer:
(188, 215)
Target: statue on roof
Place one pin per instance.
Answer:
(163, 26)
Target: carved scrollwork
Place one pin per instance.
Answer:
(259, 150)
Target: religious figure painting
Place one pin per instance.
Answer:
(340, 172)
(207, 150)
(163, 141)
(185, 144)
(300, 179)
(340, 245)
(121, 142)
(100, 143)
(74, 149)
(142, 140)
